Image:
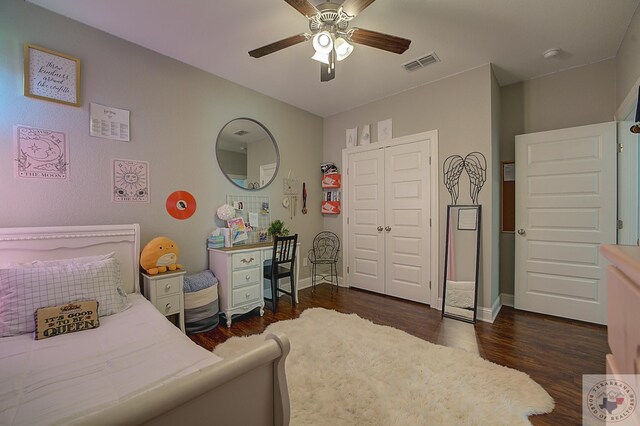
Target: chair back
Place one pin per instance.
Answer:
(284, 250)
(326, 246)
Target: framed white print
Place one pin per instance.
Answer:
(51, 76)
(352, 137)
(41, 153)
(468, 219)
(130, 179)
(365, 137)
(384, 130)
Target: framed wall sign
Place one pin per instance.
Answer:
(51, 76)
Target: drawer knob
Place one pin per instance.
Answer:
(247, 295)
(168, 307)
(168, 287)
(248, 277)
(251, 259)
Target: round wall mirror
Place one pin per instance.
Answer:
(247, 153)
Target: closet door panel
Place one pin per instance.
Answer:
(407, 202)
(366, 215)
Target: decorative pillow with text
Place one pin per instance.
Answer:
(67, 318)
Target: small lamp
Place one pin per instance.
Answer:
(343, 48)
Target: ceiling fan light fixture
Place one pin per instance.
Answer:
(343, 48)
(323, 42)
(321, 57)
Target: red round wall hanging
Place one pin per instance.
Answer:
(181, 205)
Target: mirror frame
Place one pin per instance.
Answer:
(273, 141)
(446, 263)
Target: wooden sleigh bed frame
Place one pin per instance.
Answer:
(250, 389)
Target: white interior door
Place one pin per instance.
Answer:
(266, 173)
(566, 207)
(407, 211)
(366, 220)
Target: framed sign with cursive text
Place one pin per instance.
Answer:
(51, 76)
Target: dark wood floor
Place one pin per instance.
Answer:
(555, 352)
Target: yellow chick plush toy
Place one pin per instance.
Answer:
(160, 255)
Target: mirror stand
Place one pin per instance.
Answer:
(461, 265)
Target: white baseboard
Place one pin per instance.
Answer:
(483, 314)
(507, 299)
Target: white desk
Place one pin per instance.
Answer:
(239, 271)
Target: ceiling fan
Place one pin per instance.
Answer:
(330, 32)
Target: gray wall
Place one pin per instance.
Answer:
(628, 60)
(235, 163)
(176, 114)
(459, 107)
(575, 97)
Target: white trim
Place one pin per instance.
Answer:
(432, 136)
(629, 103)
(489, 314)
(507, 299)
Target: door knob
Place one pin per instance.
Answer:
(522, 232)
(387, 228)
(379, 228)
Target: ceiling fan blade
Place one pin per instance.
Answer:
(325, 74)
(353, 7)
(382, 41)
(278, 45)
(304, 7)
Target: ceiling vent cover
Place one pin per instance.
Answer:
(421, 62)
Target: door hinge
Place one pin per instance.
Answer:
(429, 285)
(347, 269)
(347, 221)
(429, 222)
(620, 147)
(619, 224)
(429, 160)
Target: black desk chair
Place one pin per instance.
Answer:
(282, 266)
(326, 246)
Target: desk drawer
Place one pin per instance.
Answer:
(246, 295)
(245, 277)
(169, 305)
(245, 260)
(168, 286)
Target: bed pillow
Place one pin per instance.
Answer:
(23, 290)
(67, 318)
(59, 262)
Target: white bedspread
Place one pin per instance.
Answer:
(46, 381)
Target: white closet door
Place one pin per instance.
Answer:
(366, 220)
(566, 192)
(407, 201)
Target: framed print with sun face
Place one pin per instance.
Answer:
(130, 181)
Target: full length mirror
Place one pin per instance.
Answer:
(247, 153)
(462, 250)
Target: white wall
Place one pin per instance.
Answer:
(459, 107)
(176, 114)
(628, 60)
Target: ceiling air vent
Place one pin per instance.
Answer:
(421, 62)
(241, 132)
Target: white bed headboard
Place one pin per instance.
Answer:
(63, 242)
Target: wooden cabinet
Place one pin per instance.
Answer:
(165, 292)
(623, 308)
(240, 277)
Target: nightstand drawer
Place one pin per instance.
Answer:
(246, 295)
(245, 260)
(247, 276)
(169, 305)
(167, 286)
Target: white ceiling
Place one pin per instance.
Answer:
(216, 35)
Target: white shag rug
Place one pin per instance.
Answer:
(345, 370)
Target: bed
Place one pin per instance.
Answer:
(136, 367)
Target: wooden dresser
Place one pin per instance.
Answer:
(623, 308)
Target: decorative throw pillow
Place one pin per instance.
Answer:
(67, 318)
(23, 290)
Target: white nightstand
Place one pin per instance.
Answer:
(164, 291)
